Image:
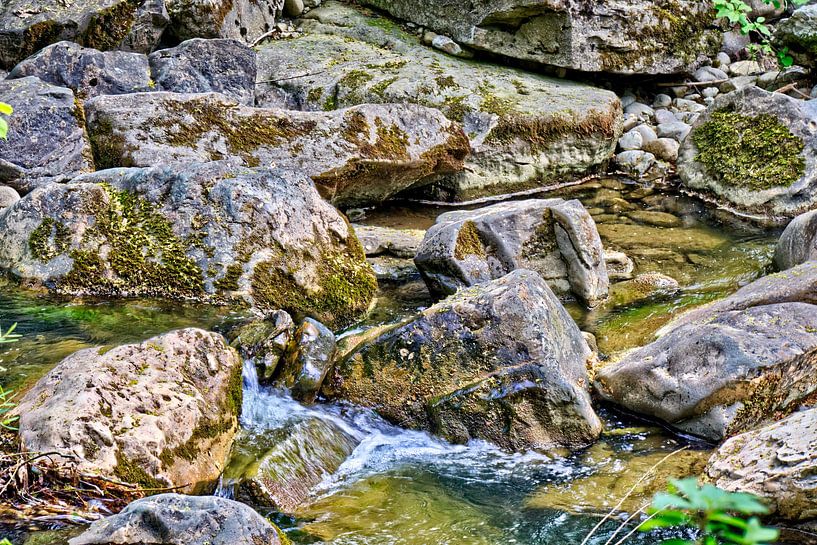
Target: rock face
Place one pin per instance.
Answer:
(201, 66)
(169, 519)
(799, 33)
(359, 155)
(556, 238)
(502, 362)
(87, 72)
(158, 414)
(46, 140)
(27, 28)
(775, 462)
(238, 19)
(525, 130)
(212, 232)
(798, 243)
(309, 360)
(645, 36)
(720, 370)
(728, 155)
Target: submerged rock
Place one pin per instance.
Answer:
(171, 519)
(360, 155)
(203, 66)
(308, 361)
(86, 71)
(46, 139)
(525, 130)
(554, 237)
(625, 36)
(719, 370)
(798, 243)
(265, 341)
(245, 20)
(775, 462)
(728, 153)
(158, 414)
(213, 232)
(503, 362)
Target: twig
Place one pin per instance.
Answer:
(291, 77)
(792, 87)
(263, 37)
(624, 524)
(634, 530)
(694, 83)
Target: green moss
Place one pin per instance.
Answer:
(355, 79)
(468, 241)
(229, 282)
(445, 82)
(380, 87)
(143, 255)
(130, 472)
(331, 103)
(107, 28)
(314, 95)
(49, 240)
(38, 36)
(455, 108)
(755, 152)
(110, 149)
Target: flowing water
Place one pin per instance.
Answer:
(406, 487)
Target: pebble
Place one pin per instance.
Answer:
(664, 148)
(630, 122)
(723, 59)
(688, 117)
(293, 8)
(679, 90)
(647, 132)
(665, 116)
(627, 99)
(447, 45)
(685, 105)
(768, 79)
(740, 82)
(814, 92)
(709, 73)
(8, 196)
(710, 92)
(676, 130)
(631, 140)
(662, 101)
(635, 161)
(745, 68)
(642, 111)
(734, 42)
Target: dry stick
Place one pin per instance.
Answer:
(629, 492)
(792, 87)
(634, 530)
(624, 524)
(694, 83)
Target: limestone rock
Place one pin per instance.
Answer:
(798, 243)
(775, 462)
(799, 33)
(46, 140)
(556, 238)
(149, 24)
(201, 66)
(245, 20)
(170, 519)
(7, 196)
(265, 341)
(502, 361)
(404, 243)
(309, 360)
(728, 155)
(87, 72)
(361, 155)
(525, 130)
(212, 232)
(158, 414)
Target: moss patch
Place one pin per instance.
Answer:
(48, 240)
(131, 472)
(754, 152)
(107, 28)
(468, 242)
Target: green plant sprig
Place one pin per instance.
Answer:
(5, 109)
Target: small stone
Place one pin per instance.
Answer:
(734, 42)
(685, 105)
(814, 92)
(679, 90)
(631, 140)
(664, 116)
(709, 101)
(695, 97)
(628, 99)
(740, 82)
(687, 117)
(709, 73)
(635, 161)
(745, 68)
(619, 265)
(428, 37)
(8, 196)
(293, 8)
(710, 92)
(677, 130)
(663, 148)
(642, 111)
(446, 45)
(647, 133)
(662, 101)
(723, 60)
(630, 122)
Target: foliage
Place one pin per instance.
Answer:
(6, 396)
(5, 542)
(5, 109)
(721, 517)
(736, 12)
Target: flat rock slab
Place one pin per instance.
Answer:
(526, 130)
(46, 139)
(158, 414)
(361, 155)
(214, 232)
(245, 20)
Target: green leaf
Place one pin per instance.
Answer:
(665, 519)
(4, 128)
(6, 109)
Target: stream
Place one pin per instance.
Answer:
(406, 487)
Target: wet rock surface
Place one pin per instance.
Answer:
(798, 243)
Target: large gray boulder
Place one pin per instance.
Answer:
(46, 139)
(86, 71)
(775, 462)
(728, 154)
(174, 519)
(214, 232)
(158, 414)
(502, 361)
(27, 27)
(201, 66)
(526, 130)
(556, 238)
(722, 369)
(245, 20)
(621, 36)
(798, 243)
(356, 156)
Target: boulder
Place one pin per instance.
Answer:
(149, 24)
(799, 33)
(798, 243)
(554, 237)
(720, 370)
(775, 462)
(158, 414)
(309, 359)
(86, 71)
(213, 232)
(170, 519)
(7, 196)
(728, 154)
(361, 155)
(623, 36)
(201, 66)
(525, 130)
(27, 27)
(378, 240)
(46, 139)
(245, 20)
(503, 362)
